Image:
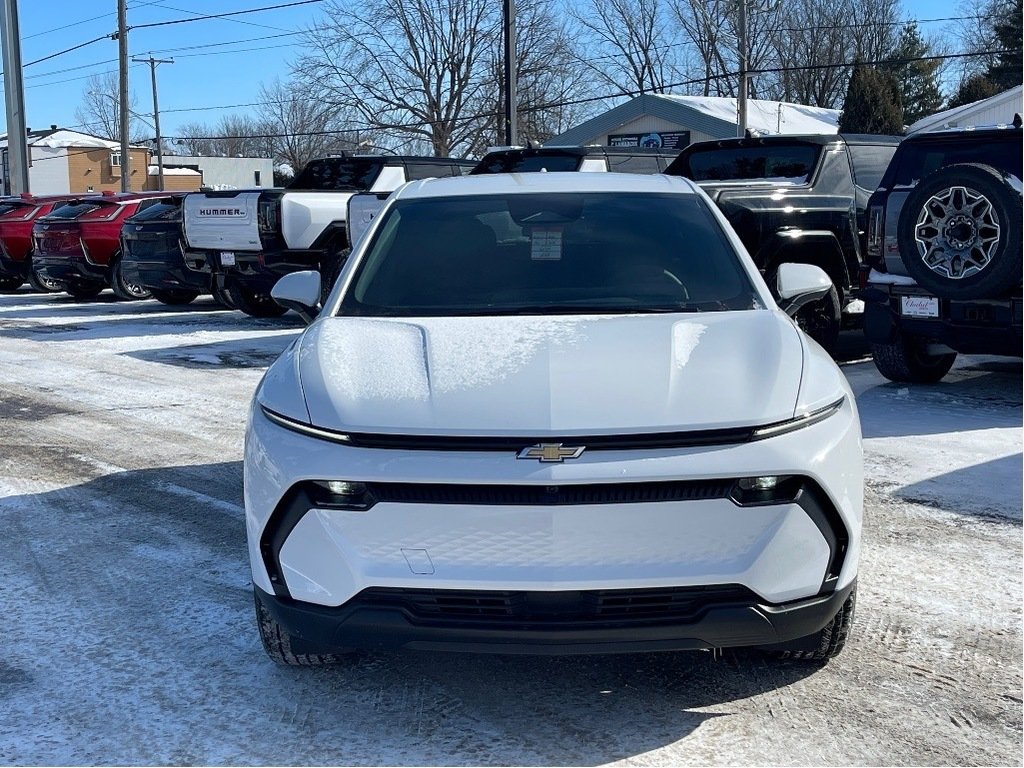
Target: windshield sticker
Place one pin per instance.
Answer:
(546, 243)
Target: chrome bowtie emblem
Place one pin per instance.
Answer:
(551, 452)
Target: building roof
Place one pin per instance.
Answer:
(1008, 102)
(60, 138)
(154, 170)
(713, 115)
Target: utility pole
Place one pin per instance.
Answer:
(122, 58)
(17, 139)
(156, 115)
(511, 123)
(741, 102)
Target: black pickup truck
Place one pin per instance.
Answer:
(943, 272)
(797, 199)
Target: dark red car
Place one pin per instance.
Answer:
(79, 244)
(17, 216)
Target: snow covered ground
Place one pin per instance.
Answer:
(128, 637)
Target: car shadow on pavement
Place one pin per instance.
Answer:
(131, 598)
(991, 489)
(62, 305)
(254, 352)
(982, 396)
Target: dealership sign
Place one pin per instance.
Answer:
(654, 140)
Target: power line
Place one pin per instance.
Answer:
(554, 105)
(85, 21)
(233, 20)
(225, 15)
(67, 50)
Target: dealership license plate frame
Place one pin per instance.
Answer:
(919, 306)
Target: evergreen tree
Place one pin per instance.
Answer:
(1006, 72)
(872, 103)
(974, 88)
(916, 80)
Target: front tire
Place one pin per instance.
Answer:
(908, 359)
(123, 289)
(282, 648)
(255, 304)
(84, 291)
(826, 643)
(175, 298)
(44, 284)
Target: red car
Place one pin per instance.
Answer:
(17, 216)
(79, 243)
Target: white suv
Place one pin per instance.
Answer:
(553, 413)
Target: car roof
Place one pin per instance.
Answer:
(807, 138)
(566, 181)
(966, 134)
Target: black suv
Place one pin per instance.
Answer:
(944, 253)
(798, 199)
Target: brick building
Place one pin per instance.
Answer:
(64, 161)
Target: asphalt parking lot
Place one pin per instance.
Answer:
(128, 635)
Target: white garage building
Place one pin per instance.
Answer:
(673, 122)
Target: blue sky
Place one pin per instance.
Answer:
(226, 72)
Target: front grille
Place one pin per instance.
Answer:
(609, 607)
(541, 495)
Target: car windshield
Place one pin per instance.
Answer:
(566, 253)
(787, 163)
(339, 173)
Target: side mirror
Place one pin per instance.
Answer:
(799, 284)
(299, 291)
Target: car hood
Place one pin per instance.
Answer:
(563, 375)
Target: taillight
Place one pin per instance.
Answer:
(267, 215)
(876, 233)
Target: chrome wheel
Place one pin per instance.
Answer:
(957, 232)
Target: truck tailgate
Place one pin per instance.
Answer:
(222, 220)
(305, 215)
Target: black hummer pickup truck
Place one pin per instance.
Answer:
(943, 272)
(798, 199)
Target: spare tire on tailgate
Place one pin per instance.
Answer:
(960, 232)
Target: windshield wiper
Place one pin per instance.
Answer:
(589, 309)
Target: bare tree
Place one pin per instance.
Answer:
(711, 27)
(195, 139)
(417, 69)
(817, 54)
(99, 112)
(304, 125)
(551, 81)
(626, 43)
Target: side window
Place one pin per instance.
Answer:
(633, 164)
(416, 171)
(869, 164)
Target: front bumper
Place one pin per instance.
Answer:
(311, 561)
(169, 271)
(972, 326)
(394, 620)
(72, 269)
(260, 271)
